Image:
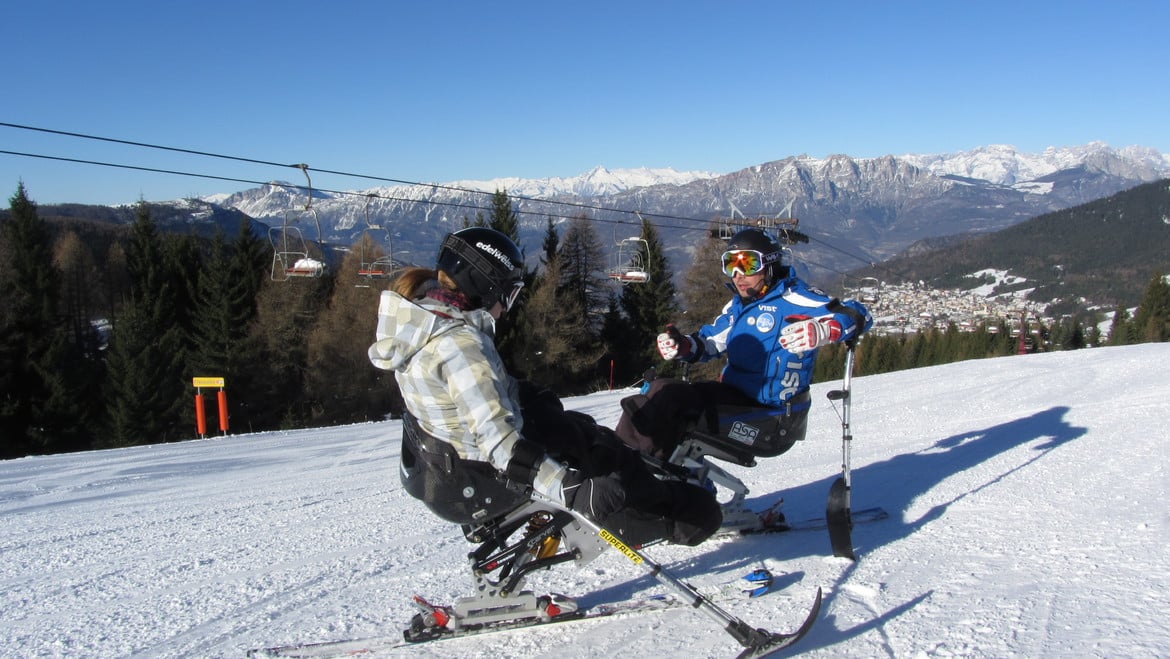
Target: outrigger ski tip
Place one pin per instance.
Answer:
(768, 644)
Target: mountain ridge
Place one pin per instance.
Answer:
(858, 211)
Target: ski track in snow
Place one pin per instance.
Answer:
(1027, 518)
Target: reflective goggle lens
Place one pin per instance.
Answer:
(744, 261)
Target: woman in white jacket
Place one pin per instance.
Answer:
(473, 432)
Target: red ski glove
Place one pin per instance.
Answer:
(804, 333)
(673, 344)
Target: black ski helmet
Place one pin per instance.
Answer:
(767, 246)
(484, 263)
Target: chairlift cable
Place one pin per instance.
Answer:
(451, 204)
(304, 168)
(258, 161)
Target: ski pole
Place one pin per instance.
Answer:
(755, 639)
(846, 419)
(837, 513)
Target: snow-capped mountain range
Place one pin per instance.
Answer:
(1002, 164)
(596, 182)
(860, 210)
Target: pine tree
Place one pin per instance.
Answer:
(504, 217)
(218, 324)
(250, 389)
(116, 280)
(1068, 334)
(614, 336)
(880, 353)
(526, 352)
(704, 295)
(285, 314)
(250, 260)
(80, 285)
(40, 400)
(147, 379)
(1151, 323)
(564, 314)
(582, 274)
(225, 309)
(1119, 331)
(558, 353)
(84, 363)
(182, 265)
(513, 325)
(550, 244)
(830, 362)
(647, 309)
(1093, 336)
(340, 381)
(705, 291)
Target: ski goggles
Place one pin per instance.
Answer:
(509, 298)
(746, 262)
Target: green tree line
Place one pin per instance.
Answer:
(103, 328)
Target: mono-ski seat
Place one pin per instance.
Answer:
(742, 433)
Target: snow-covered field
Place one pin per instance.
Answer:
(1028, 518)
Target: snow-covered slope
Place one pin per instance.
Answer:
(1028, 518)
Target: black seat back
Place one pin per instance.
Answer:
(457, 490)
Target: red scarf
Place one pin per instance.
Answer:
(453, 298)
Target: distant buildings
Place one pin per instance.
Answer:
(901, 308)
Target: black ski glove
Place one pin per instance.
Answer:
(597, 498)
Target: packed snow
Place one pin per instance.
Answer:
(1027, 500)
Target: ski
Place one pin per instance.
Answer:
(862, 516)
(772, 645)
(320, 649)
(840, 520)
(420, 634)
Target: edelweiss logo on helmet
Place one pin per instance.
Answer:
(496, 253)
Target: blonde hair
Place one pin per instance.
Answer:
(411, 283)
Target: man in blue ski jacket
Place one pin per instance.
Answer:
(769, 333)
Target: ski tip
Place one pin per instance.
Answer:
(773, 645)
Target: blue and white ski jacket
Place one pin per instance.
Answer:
(748, 334)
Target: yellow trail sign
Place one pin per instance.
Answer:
(208, 382)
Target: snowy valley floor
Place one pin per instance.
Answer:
(1028, 518)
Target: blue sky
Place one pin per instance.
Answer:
(444, 91)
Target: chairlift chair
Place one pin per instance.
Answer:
(291, 257)
(631, 262)
(381, 267)
(374, 265)
(290, 250)
(869, 291)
